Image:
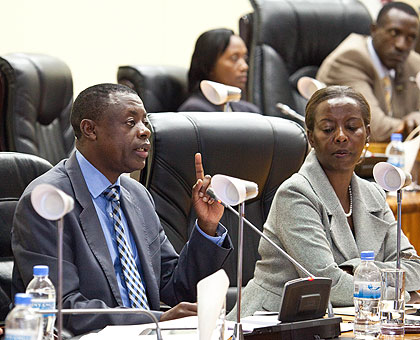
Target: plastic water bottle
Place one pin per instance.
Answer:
(43, 297)
(22, 323)
(395, 151)
(367, 293)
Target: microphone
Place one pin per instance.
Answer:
(211, 193)
(219, 94)
(234, 190)
(307, 86)
(287, 111)
(314, 281)
(390, 177)
(52, 204)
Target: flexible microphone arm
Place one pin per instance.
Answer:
(211, 193)
(107, 311)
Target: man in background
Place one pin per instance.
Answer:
(383, 68)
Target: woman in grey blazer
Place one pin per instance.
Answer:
(325, 215)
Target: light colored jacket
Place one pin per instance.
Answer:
(307, 220)
(351, 64)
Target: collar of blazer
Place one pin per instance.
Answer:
(368, 203)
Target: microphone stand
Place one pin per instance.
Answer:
(399, 203)
(237, 331)
(265, 237)
(60, 278)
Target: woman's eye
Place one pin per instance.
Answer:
(234, 57)
(131, 123)
(327, 130)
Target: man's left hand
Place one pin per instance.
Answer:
(208, 211)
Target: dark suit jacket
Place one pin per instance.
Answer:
(196, 102)
(89, 276)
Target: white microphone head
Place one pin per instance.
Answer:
(307, 86)
(233, 191)
(50, 202)
(390, 177)
(219, 94)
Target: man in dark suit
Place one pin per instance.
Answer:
(110, 125)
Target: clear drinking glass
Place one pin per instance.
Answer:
(392, 304)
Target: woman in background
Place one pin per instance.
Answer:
(325, 215)
(219, 56)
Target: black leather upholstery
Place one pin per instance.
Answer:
(38, 95)
(290, 39)
(17, 170)
(266, 150)
(162, 88)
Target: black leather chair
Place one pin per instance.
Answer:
(290, 39)
(266, 150)
(36, 96)
(162, 88)
(17, 170)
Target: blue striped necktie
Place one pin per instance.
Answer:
(132, 278)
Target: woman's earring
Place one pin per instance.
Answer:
(365, 148)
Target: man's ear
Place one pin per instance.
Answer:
(88, 129)
(373, 28)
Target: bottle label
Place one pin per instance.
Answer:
(20, 334)
(367, 290)
(397, 161)
(43, 304)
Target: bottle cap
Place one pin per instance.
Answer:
(23, 299)
(367, 255)
(41, 270)
(396, 137)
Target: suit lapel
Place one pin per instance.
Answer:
(368, 226)
(338, 228)
(91, 226)
(138, 228)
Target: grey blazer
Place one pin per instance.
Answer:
(89, 276)
(307, 220)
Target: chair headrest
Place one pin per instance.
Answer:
(17, 170)
(44, 80)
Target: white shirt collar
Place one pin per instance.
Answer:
(379, 67)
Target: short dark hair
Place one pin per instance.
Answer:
(209, 47)
(402, 6)
(330, 92)
(93, 102)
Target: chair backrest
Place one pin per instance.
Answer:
(162, 88)
(37, 100)
(262, 149)
(290, 39)
(17, 170)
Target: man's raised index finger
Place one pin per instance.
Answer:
(199, 171)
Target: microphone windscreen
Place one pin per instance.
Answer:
(233, 190)
(390, 177)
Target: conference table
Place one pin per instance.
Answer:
(350, 335)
